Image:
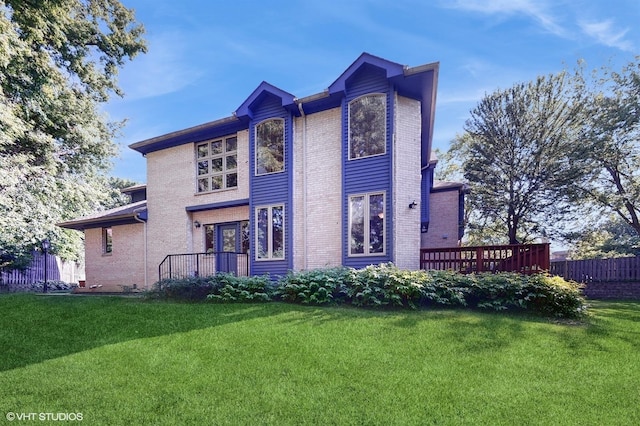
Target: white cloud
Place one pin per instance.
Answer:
(605, 33)
(166, 68)
(535, 9)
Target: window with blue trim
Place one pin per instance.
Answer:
(367, 126)
(367, 224)
(270, 232)
(270, 146)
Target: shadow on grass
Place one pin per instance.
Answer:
(35, 328)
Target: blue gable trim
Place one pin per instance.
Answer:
(216, 206)
(263, 91)
(390, 69)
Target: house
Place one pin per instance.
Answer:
(342, 177)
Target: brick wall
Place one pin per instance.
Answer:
(443, 220)
(406, 183)
(612, 290)
(317, 224)
(171, 187)
(123, 267)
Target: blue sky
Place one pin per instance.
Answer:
(206, 57)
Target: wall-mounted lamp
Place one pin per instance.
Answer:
(413, 205)
(196, 224)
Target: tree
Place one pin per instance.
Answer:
(611, 130)
(520, 156)
(59, 61)
(612, 238)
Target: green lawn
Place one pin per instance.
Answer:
(131, 361)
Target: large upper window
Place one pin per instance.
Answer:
(366, 224)
(217, 166)
(270, 232)
(270, 146)
(367, 126)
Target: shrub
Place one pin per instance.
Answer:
(388, 286)
(230, 288)
(189, 288)
(315, 287)
(385, 285)
(446, 288)
(553, 296)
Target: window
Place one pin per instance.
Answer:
(217, 164)
(107, 240)
(270, 146)
(366, 224)
(209, 242)
(367, 126)
(270, 233)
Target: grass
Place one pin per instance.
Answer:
(129, 361)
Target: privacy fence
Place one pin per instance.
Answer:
(603, 278)
(57, 270)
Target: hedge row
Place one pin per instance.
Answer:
(388, 286)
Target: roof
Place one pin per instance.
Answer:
(414, 82)
(134, 188)
(122, 215)
(443, 185)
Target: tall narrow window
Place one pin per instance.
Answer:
(366, 224)
(217, 164)
(209, 240)
(270, 232)
(367, 126)
(107, 240)
(270, 146)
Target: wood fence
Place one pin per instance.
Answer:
(623, 269)
(57, 270)
(521, 258)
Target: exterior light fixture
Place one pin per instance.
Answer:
(196, 224)
(413, 205)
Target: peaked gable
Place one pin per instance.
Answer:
(260, 94)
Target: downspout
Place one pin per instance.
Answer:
(136, 216)
(304, 185)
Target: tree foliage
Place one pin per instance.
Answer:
(611, 130)
(520, 156)
(612, 238)
(59, 61)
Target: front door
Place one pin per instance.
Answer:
(228, 246)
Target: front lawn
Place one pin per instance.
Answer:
(129, 361)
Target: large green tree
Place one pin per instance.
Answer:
(611, 130)
(521, 158)
(59, 61)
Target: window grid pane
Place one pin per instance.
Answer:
(217, 164)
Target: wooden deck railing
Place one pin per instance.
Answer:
(521, 258)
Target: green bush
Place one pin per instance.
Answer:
(385, 285)
(315, 287)
(230, 288)
(388, 286)
(189, 288)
